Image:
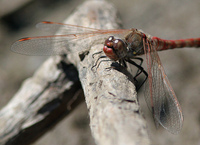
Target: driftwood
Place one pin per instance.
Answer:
(55, 90)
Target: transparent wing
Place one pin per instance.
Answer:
(160, 95)
(57, 44)
(43, 45)
(53, 27)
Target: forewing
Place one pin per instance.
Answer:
(55, 44)
(58, 44)
(42, 45)
(160, 95)
(53, 27)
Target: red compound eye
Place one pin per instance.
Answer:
(118, 45)
(109, 41)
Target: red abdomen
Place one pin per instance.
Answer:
(162, 44)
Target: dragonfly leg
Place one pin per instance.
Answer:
(141, 61)
(123, 63)
(137, 74)
(96, 53)
(98, 62)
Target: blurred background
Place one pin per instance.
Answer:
(168, 19)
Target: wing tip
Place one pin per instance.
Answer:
(24, 39)
(46, 22)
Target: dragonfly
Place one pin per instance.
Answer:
(121, 45)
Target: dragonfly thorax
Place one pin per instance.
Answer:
(134, 42)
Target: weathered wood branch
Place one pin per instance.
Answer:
(55, 90)
(52, 93)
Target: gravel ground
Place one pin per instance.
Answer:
(168, 19)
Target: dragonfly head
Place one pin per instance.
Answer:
(115, 49)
